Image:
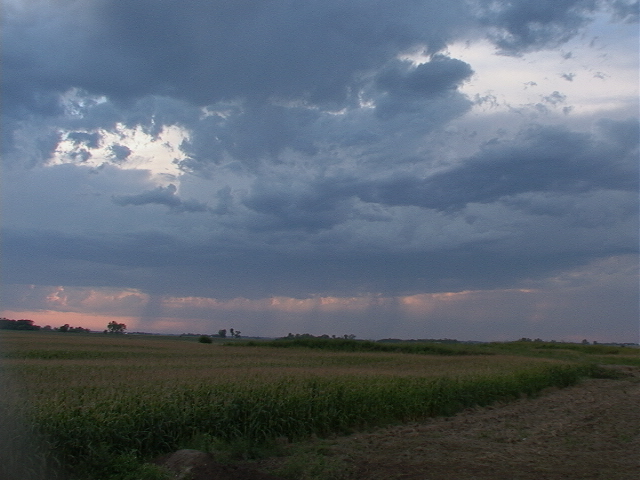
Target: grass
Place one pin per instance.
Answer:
(559, 350)
(352, 345)
(100, 405)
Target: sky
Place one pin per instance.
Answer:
(460, 169)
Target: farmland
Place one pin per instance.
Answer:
(102, 405)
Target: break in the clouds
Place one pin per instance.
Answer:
(415, 169)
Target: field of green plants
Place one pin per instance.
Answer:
(96, 406)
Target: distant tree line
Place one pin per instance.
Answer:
(348, 343)
(6, 324)
(222, 333)
(24, 324)
(291, 336)
(66, 328)
(115, 327)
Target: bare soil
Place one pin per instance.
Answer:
(588, 431)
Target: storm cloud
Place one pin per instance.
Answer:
(212, 151)
(161, 196)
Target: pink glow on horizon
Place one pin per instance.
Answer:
(75, 319)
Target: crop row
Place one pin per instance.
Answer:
(84, 429)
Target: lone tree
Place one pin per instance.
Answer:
(115, 327)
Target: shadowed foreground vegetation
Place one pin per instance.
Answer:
(100, 406)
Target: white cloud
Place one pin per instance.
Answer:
(604, 79)
(159, 154)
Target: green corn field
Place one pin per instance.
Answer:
(93, 406)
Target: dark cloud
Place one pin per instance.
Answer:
(440, 74)
(522, 25)
(305, 205)
(250, 133)
(161, 196)
(331, 146)
(539, 159)
(80, 155)
(406, 87)
(548, 200)
(626, 10)
(91, 140)
(554, 98)
(120, 152)
(623, 136)
(592, 210)
(208, 51)
(160, 264)
(277, 68)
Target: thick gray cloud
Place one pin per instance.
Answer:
(541, 159)
(538, 160)
(250, 54)
(524, 25)
(161, 196)
(91, 140)
(164, 265)
(207, 51)
(626, 10)
(120, 152)
(435, 77)
(323, 148)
